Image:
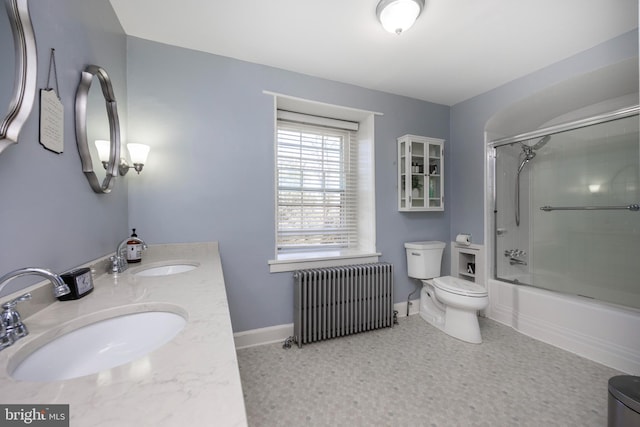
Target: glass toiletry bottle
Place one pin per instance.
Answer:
(134, 249)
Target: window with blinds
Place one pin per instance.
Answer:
(316, 180)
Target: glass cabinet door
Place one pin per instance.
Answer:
(435, 176)
(402, 175)
(418, 152)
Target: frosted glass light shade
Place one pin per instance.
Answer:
(138, 153)
(397, 16)
(104, 149)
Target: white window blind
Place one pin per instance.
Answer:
(316, 188)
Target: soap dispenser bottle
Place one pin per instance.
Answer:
(134, 249)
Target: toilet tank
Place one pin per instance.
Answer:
(424, 259)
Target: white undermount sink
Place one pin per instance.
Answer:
(99, 346)
(165, 270)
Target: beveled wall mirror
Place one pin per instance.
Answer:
(92, 124)
(20, 65)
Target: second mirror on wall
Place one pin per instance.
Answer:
(98, 132)
(97, 120)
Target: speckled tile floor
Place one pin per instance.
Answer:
(415, 375)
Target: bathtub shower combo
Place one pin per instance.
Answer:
(566, 204)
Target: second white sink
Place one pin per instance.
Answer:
(99, 346)
(165, 270)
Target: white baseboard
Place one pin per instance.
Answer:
(600, 332)
(401, 308)
(262, 336)
(280, 333)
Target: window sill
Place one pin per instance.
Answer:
(302, 260)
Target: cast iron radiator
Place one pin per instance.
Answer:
(337, 301)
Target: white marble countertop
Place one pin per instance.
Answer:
(193, 380)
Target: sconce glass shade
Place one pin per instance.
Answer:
(138, 153)
(104, 149)
(594, 188)
(397, 16)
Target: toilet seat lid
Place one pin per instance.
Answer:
(459, 286)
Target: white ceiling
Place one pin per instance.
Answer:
(457, 49)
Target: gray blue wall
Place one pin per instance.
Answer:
(469, 120)
(49, 217)
(209, 175)
(210, 172)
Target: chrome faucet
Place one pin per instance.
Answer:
(119, 261)
(514, 256)
(514, 253)
(11, 326)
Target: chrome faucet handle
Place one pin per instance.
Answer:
(11, 318)
(511, 253)
(118, 264)
(14, 302)
(115, 264)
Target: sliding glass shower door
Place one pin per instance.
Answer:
(566, 210)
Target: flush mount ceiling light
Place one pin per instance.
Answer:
(397, 16)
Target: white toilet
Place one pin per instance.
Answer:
(448, 303)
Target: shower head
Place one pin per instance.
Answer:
(542, 142)
(529, 151)
(527, 156)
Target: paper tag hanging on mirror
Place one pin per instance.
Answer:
(51, 121)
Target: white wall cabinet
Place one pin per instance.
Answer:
(420, 173)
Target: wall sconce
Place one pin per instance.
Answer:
(594, 188)
(138, 154)
(397, 16)
(104, 149)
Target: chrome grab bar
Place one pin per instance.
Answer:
(633, 207)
